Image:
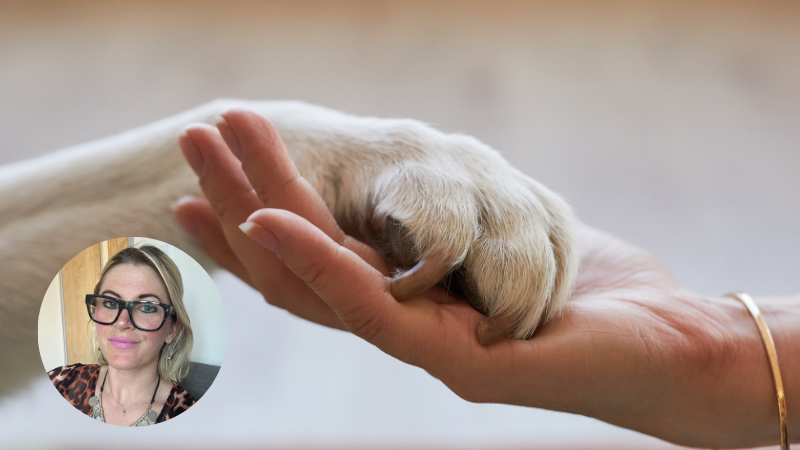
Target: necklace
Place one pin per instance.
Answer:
(124, 409)
(96, 402)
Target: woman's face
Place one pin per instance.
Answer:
(124, 346)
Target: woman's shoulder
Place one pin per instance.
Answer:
(179, 400)
(76, 383)
(74, 372)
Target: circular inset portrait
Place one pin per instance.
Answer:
(132, 332)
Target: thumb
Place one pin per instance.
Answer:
(357, 292)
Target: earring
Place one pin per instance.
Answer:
(174, 350)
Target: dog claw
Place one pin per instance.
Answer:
(493, 329)
(424, 275)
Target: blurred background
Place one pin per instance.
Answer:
(672, 124)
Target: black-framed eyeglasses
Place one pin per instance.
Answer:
(145, 315)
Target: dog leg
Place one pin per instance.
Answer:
(456, 205)
(53, 207)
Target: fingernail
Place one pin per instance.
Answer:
(229, 136)
(492, 329)
(181, 201)
(263, 236)
(191, 152)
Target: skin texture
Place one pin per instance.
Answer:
(632, 348)
(132, 372)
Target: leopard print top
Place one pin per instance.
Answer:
(79, 381)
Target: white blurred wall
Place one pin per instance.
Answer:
(203, 305)
(52, 341)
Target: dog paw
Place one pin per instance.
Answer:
(445, 208)
(457, 214)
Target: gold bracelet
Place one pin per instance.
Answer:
(769, 344)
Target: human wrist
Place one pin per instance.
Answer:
(732, 381)
(750, 383)
(782, 315)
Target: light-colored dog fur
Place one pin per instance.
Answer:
(457, 197)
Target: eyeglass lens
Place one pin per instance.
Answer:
(148, 316)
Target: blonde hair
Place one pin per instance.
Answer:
(176, 367)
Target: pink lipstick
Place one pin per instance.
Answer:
(119, 342)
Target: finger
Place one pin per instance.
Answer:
(197, 217)
(418, 331)
(277, 183)
(221, 178)
(357, 292)
(262, 151)
(232, 199)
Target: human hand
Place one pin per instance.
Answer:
(233, 191)
(632, 349)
